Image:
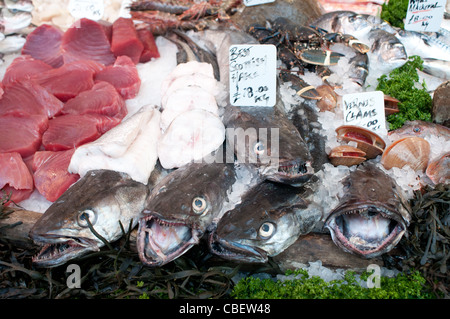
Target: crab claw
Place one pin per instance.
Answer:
(320, 57)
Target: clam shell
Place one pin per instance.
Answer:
(340, 155)
(438, 170)
(368, 141)
(412, 151)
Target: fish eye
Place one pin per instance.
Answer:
(416, 129)
(199, 205)
(84, 215)
(266, 230)
(259, 148)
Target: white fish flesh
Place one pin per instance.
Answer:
(190, 137)
(130, 147)
(19, 5)
(186, 99)
(197, 79)
(152, 74)
(188, 68)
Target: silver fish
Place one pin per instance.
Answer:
(269, 219)
(105, 198)
(14, 22)
(349, 22)
(423, 45)
(19, 5)
(386, 51)
(438, 68)
(372, 215)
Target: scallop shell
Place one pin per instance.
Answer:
(367, 141)
(412, 151)
(438, 170)
(346, 155)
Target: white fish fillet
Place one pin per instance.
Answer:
(186, 99)
(197, 79)
(130, 147)
(191, 136)
(188, 68)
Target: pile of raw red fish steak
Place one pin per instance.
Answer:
(65, 90)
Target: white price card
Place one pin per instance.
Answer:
(253, 74)
(424, 15)
(366, 110)
(250, 3)
(90, 9)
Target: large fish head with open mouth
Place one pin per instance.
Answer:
(266, 138)
(372, 216)
(99, 202)
(180, 209)
(269, 219)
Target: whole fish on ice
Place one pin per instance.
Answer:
(106, 198)
(372, 215)
(180, 208)
(266, 138)
(269, 219)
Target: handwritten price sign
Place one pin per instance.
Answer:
(424, 15)
(90, 9)
(253, 75)
(365, 110)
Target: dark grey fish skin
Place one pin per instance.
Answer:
(372, 216)
(269, 219)
(266, 138)
(107, 198)
(180, 209)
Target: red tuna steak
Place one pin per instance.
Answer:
(125, 40)
(44, 44)
(22, 134)
(23, 68)
(150, 49)
(15, 177)
(27, 97)
(70, 131)
(51, 177)
(101, 99)
(123, 75)
(86, 40)
(69, 80)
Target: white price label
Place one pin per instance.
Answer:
(250, 3)
(253, 74)
(365, 110)
(424, 15)
(90, 9)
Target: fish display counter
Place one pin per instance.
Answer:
(124, 139)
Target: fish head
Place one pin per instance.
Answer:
(66, 229)
(270, 217)
(252, 235)
(180, 209)
(420, 129)
(267, 139)
(387, 49)
(372, 216)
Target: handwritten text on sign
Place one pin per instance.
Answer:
(90, 9)
(424, 15)
(365, 110)
(253, 75)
